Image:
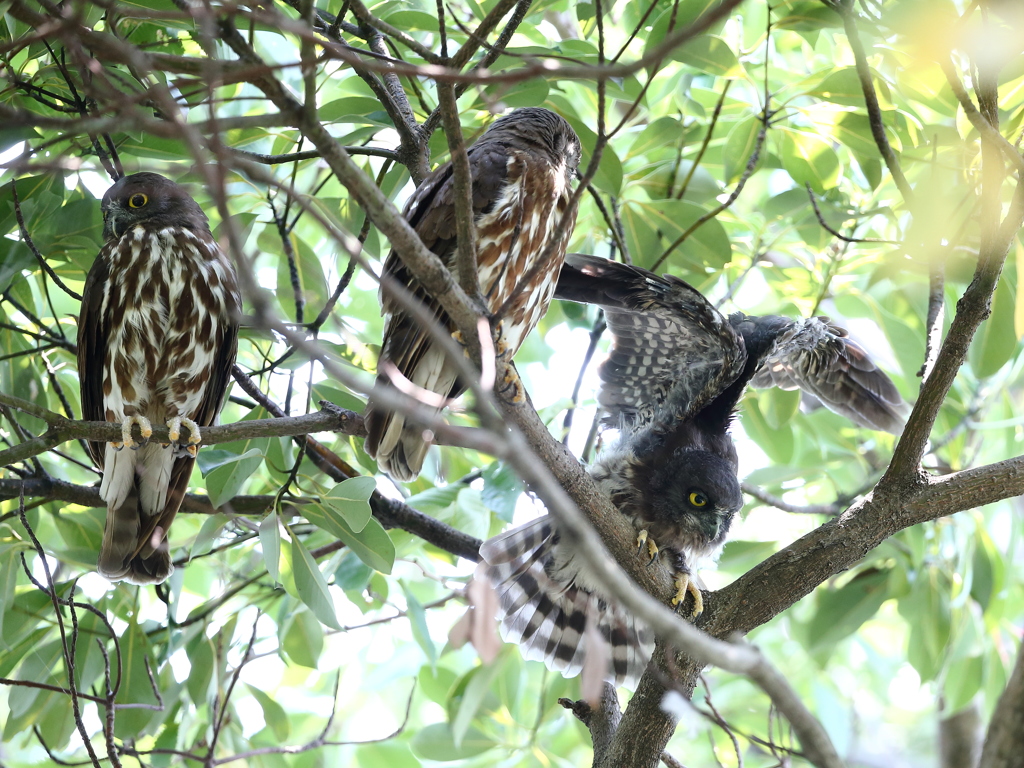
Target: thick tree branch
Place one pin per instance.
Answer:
(1004, 741)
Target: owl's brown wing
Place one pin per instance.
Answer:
(672, 352)
(817, 357)
(520, 170)
(431, 211)
(93, 331)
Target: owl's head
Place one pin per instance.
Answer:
(699, 492)
(542, 129)
(151, 199)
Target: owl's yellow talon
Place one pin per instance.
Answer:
(501, 347)
(644, 540)
(145, 428)
(685, 584)
(174, 426)
(514, 383)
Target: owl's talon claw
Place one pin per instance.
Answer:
(513, 383)
(684, 585)
(501, 347)
(189, 446)
(457, 337)
(145, 429)
(645, 541)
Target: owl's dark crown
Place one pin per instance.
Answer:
(540, 128)
(151, 199)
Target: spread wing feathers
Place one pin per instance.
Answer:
(548, 618)
(817, 357)
(672, 352)
(669, 348)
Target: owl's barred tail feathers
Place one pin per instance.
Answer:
(548, 619)
(395, 442)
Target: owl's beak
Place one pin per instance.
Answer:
(114, 222)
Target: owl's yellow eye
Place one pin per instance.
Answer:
(137, 201)
(698, 499)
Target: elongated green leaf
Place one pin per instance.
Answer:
(710, 54)
(995, 342)
(435, 742)
(474, 692)
(840, 612)
(418, 623)
(270, 541)
(211, 527)
(273, 713)
(311, 586)
(739, 147)
(224, 482)
(303, 639)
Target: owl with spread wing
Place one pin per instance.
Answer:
(157, 337)
(674, 375)
(521, 169)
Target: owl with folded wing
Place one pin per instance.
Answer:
(157, 337)
(521, 170)
(674, 375)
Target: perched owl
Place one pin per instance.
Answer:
(671, 383)
(521, 170)
(157, 337)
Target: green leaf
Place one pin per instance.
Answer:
(707, 246)
(135, 685)
(212, 526)
(995, 341)
(475, 688)
(352, 573)
(311, 586)
(372, 544)
(709, 54)
(963, 681)
(436, 683)
(739, 147)
(840, 612)
(663, 132)
(926, 610)
(987, 568)
(224, 482)
(435, 742)
(808, 158)
(349, 500)
(388, 754)
(270, 541)
(853, 131)
(303, 639)
(779, 406)
(418, 622)
(843, 87)
(273, 713)
(777, 443)
(502, 489)
(202, 658)
(10, 567)
(309, 274)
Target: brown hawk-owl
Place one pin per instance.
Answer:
(157, 338)
(521, 170)
(673, 377)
